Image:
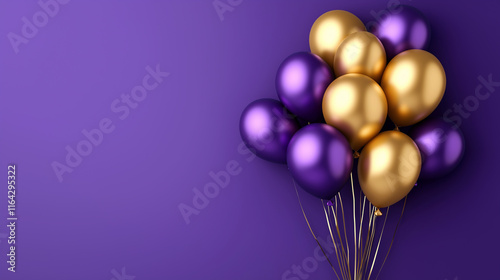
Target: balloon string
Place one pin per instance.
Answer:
(393, 236)
(343, 255)
(345, 235)
(371, 245)
(360, 249)
(378, 245)
(333, 240)
(354, 224)
(368, 236)
(312, 232)
(367, 245)
(372, 238)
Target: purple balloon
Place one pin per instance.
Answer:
(403, 29)
(441, 145)
(266, 128)
(301, 82)
(320, 159)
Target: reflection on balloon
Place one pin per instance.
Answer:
(361, 53)
(266, 128)
(388, 168)
(319, 160)
(441, 146)
(356, 105)
(414, 82)
(404, 29)
(301, 82)
(329, 30)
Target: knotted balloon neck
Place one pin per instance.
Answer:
(355, 154)
(396, 128)
(378, 213)
(329, 203)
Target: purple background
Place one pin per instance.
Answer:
(119, 208)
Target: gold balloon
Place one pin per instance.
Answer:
(355, 104)
(414, 82)
(362, 53)
(388, 168)
(329, 30)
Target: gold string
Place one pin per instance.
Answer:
(354, 224)
(345, 234)
(397, 225)
(312, 232)
(378, 245)
(370, 246)
(343, 257)
(333, 239)
(368, 236)
(360, 249)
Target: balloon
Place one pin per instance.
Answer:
(329, 30)
(319, 159)
(266, 128)
(356, 105)
(403, 29)
(441, 145)
(414, 82)
(301, 82)
(388, 168)
(362, 53)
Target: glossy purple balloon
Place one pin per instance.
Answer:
(266, 128)
(441, 146)
(402, 29)
(301, 82)
(320, 159)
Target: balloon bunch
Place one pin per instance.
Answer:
(343, 91)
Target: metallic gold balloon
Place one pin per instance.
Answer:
(329, 30)
(362, 53)
(388, 168)
(355, 104)
(414, 82)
